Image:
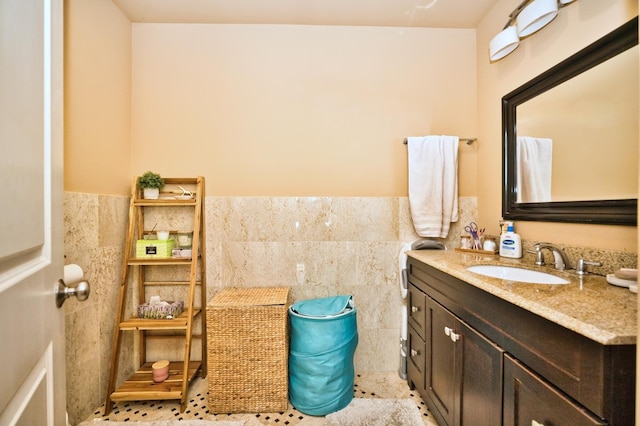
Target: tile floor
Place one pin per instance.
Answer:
(367, 385)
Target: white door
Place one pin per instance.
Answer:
(32, 370)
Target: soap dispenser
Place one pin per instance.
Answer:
(510, 243)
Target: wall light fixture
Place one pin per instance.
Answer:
(536, 15)
(529, 17)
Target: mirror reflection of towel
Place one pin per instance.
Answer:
(433, 184)
(533, 164)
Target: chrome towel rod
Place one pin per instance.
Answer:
(469, 141)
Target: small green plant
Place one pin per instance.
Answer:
(150, 180)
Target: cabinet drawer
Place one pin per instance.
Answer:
(417, 308)
(416, 363)
(530, 400)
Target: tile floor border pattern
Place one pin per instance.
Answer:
(379, 385)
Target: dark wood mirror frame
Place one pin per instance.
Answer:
(612, 212)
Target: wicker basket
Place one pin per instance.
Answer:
(248, 348)
(160, 311)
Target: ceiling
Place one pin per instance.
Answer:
(387, 13)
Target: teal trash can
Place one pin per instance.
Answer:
(323, 336)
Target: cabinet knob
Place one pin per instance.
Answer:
(534, 423)
(453, 336)
(414, 352)
(414, 309)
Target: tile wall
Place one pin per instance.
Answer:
(95, 226)
(348, 245)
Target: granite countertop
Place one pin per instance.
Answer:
(589, 305)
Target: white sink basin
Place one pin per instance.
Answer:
(516, 274)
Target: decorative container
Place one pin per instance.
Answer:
(181, 253)
(185, 239)
(168, 310)
(151, 193)
(160, 371)
(154, 248)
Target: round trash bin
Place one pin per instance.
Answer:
(323, 336)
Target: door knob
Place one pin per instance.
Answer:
(63, 292)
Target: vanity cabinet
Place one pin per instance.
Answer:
(477, 359)
(460, 371)
(530, 401)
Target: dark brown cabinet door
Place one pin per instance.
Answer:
(481, 381)
(441, 380)
(464, 371)
(530, 400)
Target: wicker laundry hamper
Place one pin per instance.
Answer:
(248, 347)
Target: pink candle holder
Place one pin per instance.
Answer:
(160, 371)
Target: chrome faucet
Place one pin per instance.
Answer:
(581, 266)
(559, 257)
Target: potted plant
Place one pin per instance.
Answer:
(151, 183)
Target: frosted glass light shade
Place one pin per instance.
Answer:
(504, 43)
(536, 15)
(565, 1)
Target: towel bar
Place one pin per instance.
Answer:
(469, 141)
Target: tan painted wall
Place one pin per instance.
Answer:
(286, 110)
(298, 110)
(577, 25)
(97, 151)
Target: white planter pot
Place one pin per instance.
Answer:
(151, 193)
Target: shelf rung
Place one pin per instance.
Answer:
(164, 202)
(141, 387)
(136, 261)
(169, 283)
(171, 336)
(179, 323)
(181, 181)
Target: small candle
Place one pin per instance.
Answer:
(160, 371)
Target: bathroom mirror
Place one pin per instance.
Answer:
(570, 137)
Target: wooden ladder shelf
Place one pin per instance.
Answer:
(140, 386)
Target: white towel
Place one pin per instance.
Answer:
(533, 159)
(433, 184)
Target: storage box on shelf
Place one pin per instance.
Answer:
(154, 248)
